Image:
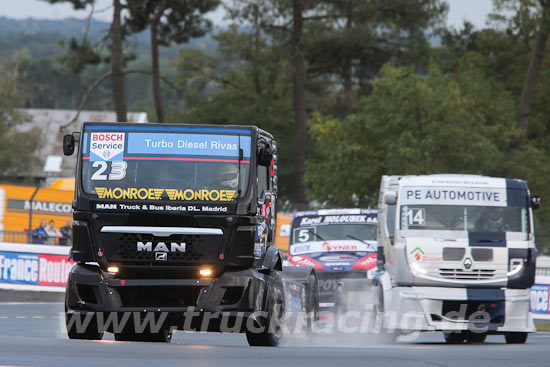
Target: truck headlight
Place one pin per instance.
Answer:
(205, 272)
(515, 266)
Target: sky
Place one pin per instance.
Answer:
(474, 11)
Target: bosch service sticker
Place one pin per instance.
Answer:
(108, 146)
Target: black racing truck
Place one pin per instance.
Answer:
(174, 228)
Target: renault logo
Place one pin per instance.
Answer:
(467, 263)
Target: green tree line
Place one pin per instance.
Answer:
(352, 89)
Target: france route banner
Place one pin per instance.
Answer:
(539, 301)
(34, 267)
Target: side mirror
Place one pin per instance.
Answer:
(390, 198)
(265, 155)
(535, 202)
(68, 145)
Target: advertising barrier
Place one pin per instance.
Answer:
(34, 267)
(540, 292)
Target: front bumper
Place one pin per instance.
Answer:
(233, 294)
(454, 309)
(329, 281)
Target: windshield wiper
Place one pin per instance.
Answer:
(315, 234)
(357, 239)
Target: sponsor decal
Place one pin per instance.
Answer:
(337, 258)
(107, 146)
(258, 249)
(430, 257)
(204, 195)
(160, 247)
(328, 247)
(305, 261)
(101, 206)
(129, 193)
(188, 144)
(335, 246)
(37, 269)
(417, 253)
(133, 193)
(337, 219)
(367, 263)
(39, 206)
(337, 264)
(454, 196)
(163, 208)
(300, 249)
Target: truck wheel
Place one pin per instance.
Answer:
(73, 321)
(129, 335)
(515, 338)
(475, 338)
(312, 309)
(312, 302)
(340, 306)
(454, 338)
(272, 331)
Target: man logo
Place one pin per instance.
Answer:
(160, 247)
(161, 256)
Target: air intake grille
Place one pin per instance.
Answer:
(475, 274)
(482, 254)
(453, 253)
(122, 248)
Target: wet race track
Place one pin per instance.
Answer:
(32, 333)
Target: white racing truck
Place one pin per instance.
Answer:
(457, 254)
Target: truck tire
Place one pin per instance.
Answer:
(90, 332)
(272, 331)
(163, 336)
(312, 309)
(515, 338)
(384, 336)
(312, 302)
(475, 338)
(455, 338)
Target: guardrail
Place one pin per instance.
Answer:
(34, 267)
(14, 236)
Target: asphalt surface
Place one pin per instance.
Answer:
(32, 333)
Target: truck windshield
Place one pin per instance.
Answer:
(464, 218)
(334, 232)
(167, 165)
